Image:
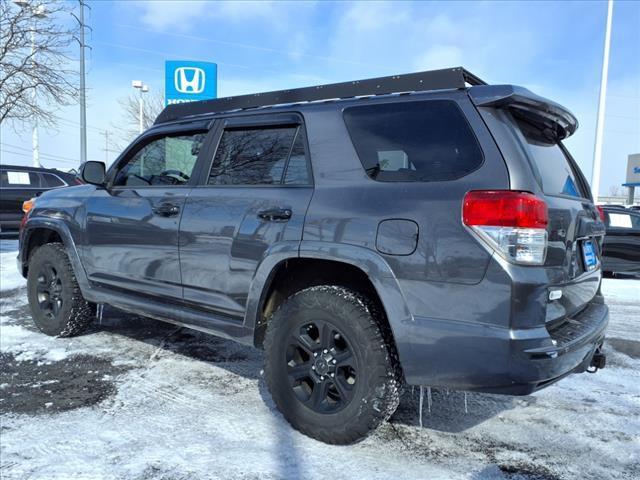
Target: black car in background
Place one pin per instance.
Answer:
(18, 183)
(621, 248)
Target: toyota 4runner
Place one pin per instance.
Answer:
(421, 229)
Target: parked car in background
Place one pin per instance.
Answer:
(18, 183)
(621, 248)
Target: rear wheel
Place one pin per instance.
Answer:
(330, 364)
(56, 304)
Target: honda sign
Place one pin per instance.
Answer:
(187, 81)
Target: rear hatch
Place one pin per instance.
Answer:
(529, 131)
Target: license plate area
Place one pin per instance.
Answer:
(589, 255)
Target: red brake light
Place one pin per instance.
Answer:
(601, 212)
(504, 208)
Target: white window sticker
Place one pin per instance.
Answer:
(18, 178)
(620, 220)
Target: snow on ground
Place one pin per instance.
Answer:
(138, 399)
(9, 278)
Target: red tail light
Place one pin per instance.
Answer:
(504, 208)
(600, 212)
(512, 223)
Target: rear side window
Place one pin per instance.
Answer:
(554, 168)
(19, 179)
(260, 156)
(423, 141)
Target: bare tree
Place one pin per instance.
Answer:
(35, 72)
(129, 127)
(614, 190)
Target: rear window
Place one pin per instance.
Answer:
(554, 168)
(52, 181)
(423, 141)
(622, 220)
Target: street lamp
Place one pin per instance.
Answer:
(36, 13)
(142, 88)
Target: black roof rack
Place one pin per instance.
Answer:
(413, 82)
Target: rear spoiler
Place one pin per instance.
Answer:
(519, 100)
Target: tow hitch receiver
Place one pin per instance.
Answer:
(598, 361)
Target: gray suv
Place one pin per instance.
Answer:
(422, 229)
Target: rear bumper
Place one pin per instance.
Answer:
(487, 358)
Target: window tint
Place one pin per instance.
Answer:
(164, 161)
(259, 156)
(51, 181)
(19, 179)
(556, 173)
(413, 141)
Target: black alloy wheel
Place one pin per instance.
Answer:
(49, 290)
(321, 367)
(331, 364)
(56, 302)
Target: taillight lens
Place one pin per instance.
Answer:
(600, 212)
(513, 223)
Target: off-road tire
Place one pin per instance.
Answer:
(378, 377)
(75, 313)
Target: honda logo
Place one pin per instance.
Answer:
(189, 80)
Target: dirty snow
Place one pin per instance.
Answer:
(138, 399)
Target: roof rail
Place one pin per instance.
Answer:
(412, 82)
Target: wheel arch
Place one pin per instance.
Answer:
(38, 232)
(321, 263)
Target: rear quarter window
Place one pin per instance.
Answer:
(422, 141)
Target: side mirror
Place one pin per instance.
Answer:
(93, 172)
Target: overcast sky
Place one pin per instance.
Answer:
(553, 48)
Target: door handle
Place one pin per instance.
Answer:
(272, 214)
(166, 209)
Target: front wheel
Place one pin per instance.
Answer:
(330, 364)
(57, 305)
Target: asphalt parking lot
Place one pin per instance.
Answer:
(138, 399)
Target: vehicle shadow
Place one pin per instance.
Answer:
(453, 411)
(448, 411)
(229, 355)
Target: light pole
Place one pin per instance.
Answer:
(597, 150)
(142, 88)
(36, 13)
(83, 98)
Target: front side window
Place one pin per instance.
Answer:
(260, 156)
(424, 141)
(165, 161)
